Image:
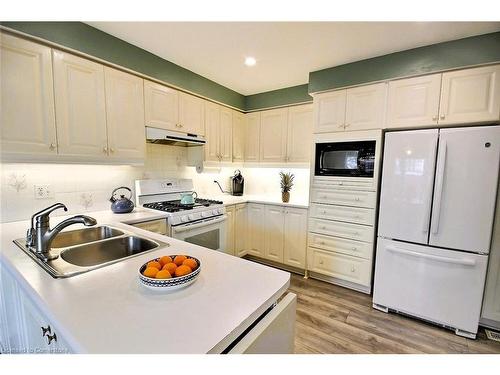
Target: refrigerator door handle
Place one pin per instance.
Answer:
(439, 189)
(428, 203)
(462, 261)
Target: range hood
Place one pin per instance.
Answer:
(168, 137)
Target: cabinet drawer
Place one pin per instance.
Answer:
(365, 199)
(340, 266)
(156, 226)
(341, 245)
(343, 213)
(340, 229)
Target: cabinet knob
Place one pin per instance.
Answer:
(105, 149)
(442, 117)
(434, 118)
(322, 227)
(52, 146)
(51, 338)
(354, 248)
(356, 199)
(321, 262)
(112, 149)
(347, 125)
(353, 269)
(324, 211)
(321, 242)
(46, 330)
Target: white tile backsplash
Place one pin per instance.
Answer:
(85, 187)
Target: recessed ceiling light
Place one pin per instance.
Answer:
(250, 61)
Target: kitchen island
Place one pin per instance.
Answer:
(107, 310)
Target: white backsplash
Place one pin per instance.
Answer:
(87, 187)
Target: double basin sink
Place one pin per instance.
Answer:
(78, 251)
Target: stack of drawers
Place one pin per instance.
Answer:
(341, 235)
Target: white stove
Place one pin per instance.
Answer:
(202, 223)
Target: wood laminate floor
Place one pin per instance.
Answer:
(332, 319)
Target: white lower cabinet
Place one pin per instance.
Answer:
(230, 211)
(295, 237)
(240, 229)
(256, 229)
(274, 233)
(25, 329)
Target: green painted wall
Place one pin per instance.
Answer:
(288, 95)
(87, 39)
(454, 54)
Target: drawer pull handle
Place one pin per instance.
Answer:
(322, 227)
(356, 199)
(353, 269)
(324, 212)
(46, 330)
(354, 248)
(50, 338)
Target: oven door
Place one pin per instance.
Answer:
(210, 233)
(345, 159)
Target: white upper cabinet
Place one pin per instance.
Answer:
(238, 136)
(329, 109)
(124, 114)
(226, 134)
(191, 114)
(212, 128)
(161, 105)
(365, 107)
(413, 101)
(470, 95)
(80, 105)
(27, 101)
(300, 123)
(252, 137)
(273, 135)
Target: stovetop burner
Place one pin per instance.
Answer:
(176, 205)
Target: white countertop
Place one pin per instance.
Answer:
(108, 311)
(295, 201)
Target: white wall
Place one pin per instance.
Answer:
(88, 187)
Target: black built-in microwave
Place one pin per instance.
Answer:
(345, 159)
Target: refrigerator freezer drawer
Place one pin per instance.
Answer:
(356, 215)
(353, 198)
(340, 266)
(341, 245)
(442, 286)
(340, 229)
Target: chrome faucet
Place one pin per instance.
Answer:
(39, 237)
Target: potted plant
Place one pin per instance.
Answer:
(286, 185)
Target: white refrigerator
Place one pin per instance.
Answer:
(436, 214)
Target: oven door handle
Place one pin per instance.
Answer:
(198, 225)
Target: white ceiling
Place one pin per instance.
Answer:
(285, 51)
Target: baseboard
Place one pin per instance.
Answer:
(281, 266)
(488, 323)
(346, 284)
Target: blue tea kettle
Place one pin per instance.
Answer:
(121, 205)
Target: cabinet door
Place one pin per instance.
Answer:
(413, 101)
(161, 106)
(238, 136)
(329, 110)
(124, 114)
(471, 95)
(252, 136)
(240, 230)
(300, 121)
(80, 105)
(212, 127)
(295, 238)
(230, 213)
(274, 227)
(191, 114)
(256, 230)
(273, 135)
(226, 134)
(27, 97)
(365, 107)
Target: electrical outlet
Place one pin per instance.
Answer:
(43, 192)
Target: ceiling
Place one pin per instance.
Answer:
(285, 51)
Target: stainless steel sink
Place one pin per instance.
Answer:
(84, 250)
(107, 251)
(81, 236)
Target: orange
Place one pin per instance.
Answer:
(150, 272)
(182, 271)
(170, 267)
(165, 259)
(191, 263)
(163, 274)
(154, 264)
(179, 259)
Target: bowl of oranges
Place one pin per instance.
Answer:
(170, 272)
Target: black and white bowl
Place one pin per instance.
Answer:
(169, 284)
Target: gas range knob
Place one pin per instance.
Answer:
(215, 212)
(191, 217)
(204, 214)
(184, 219)
(221, 211)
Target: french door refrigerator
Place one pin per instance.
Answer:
(437, 203)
